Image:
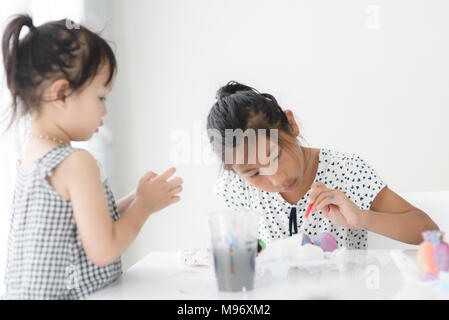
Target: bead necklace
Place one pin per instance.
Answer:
(45, 137)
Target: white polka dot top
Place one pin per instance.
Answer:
(337, 170)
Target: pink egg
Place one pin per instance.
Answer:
(326, 241)
(433, 254)
(441, 256)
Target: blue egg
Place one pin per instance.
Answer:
(305, 239)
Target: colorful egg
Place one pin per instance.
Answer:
(433, 255)
(260, 246)
(326, 242)
(441, 256)
(305, 239)
(426, 261)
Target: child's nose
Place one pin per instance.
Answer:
(277, 179)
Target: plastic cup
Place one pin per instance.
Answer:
(234, 247)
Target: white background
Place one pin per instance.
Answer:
(366, 77)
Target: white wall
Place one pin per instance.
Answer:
(369, 77)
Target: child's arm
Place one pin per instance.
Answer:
(392, 216)
(389, 214)
(124, 203)
(104, 240)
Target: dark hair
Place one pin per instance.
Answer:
(242, 107)
(49, 52)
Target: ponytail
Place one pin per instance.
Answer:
(11, 55)
(47, 53)
(238, 105)
(242, 107)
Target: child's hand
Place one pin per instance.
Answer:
(154, 192)
(335, 206)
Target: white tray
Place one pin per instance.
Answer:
(332, 261)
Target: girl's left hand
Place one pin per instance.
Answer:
(335, 206)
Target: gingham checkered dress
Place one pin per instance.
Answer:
(45, 258)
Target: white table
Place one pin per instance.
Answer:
(371, 274)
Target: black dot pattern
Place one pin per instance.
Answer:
(337, 170)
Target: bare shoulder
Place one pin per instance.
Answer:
(78, 165)
(80, 159)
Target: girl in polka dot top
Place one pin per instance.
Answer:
(272, 173)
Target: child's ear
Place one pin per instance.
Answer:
(58, 92)
(292, 122)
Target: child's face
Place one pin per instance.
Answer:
(289, 175)
(86, 109)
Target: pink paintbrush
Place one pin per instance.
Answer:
(306, 218)
(308, 211)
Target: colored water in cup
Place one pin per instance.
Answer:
(234, 247)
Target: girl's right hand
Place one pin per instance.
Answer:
(154, 192)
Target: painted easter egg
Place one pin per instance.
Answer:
(305, 239)
(426, 261)
(433, 255)
(441, 256)
(326, 242)
(260, 246)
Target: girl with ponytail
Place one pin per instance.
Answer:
(346, 196)
(67, 232)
